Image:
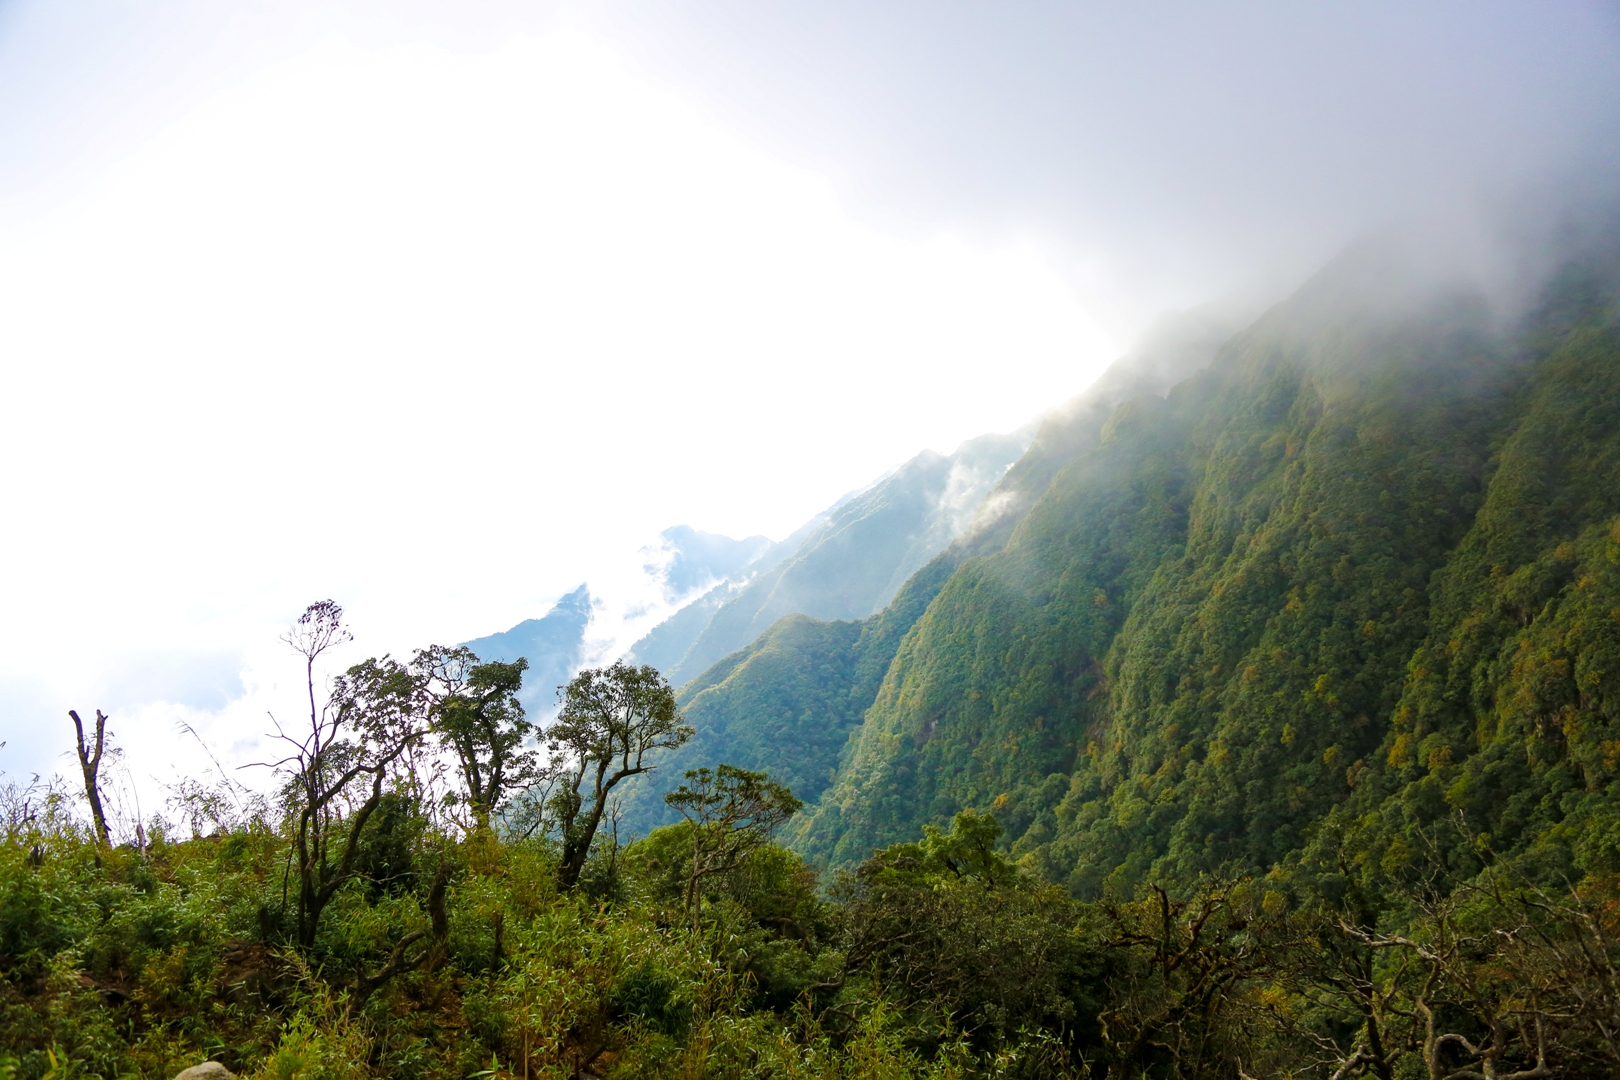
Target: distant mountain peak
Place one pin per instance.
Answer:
(851, 559)
(552, 644)
(690, 561)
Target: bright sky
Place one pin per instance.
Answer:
(440, 310)
(441, 332)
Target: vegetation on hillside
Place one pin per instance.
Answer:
(1352, 579)
(787, 703)
(706, 950)
(1275, 737)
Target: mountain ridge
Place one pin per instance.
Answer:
(1211, 634)
(864, 550)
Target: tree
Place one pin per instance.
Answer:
(90, 764)
(969, 849)
(733, 812)
(475, 712)
(1177, 994)
(611, 719)
(952, 934)
(370, 718)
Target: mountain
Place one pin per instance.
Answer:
(667, 643)
(692, 561)
(1357, 577)
(552, 644)
(1190, 586)
(787, 702)
(844, 563)
(856, 557)
(685, 562)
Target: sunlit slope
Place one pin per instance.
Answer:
(1195, 643)
(786, 702)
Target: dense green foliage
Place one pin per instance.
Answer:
(787, 703)
(1357, 573)
(939, 958)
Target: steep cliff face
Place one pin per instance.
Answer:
(1365, 540)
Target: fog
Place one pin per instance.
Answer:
(1179, 150)
(440, 309)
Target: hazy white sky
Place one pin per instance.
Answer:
(439, 309)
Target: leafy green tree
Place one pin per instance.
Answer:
(370, 719)
(611, 719)
(766, 916)
(475, 712)
(968, 850)
(955, 935)
(733, 812)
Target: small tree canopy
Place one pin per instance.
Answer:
(969, 849)
(733, 812)
(369, 720)
(611, 719)
(475, 712)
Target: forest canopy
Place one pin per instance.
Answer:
(408, 905)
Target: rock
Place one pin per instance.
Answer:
(208, 1070)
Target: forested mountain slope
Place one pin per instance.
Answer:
(787, 702)
(1507, 711)
(1361, 565)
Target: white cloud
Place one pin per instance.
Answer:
(441, 333)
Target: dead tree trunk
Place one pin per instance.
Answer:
(90, 764)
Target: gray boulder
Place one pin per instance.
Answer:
(208, 1070)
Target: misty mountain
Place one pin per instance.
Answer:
(856, 558)
(698, 560)
(667, 643)
(844, 563)
(686, 561)
(787, 701)
(1353, 578)
(552, 644)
